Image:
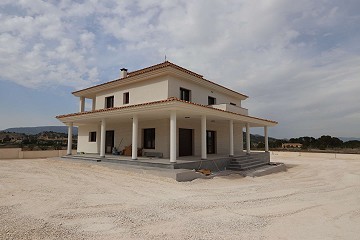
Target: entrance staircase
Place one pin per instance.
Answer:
(249, 161)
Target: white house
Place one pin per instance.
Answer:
(163, 109)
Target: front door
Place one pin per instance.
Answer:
(109, 141)
(185, 142)
(211, 142)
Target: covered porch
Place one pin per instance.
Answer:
(169, 117)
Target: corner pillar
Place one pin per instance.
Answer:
(102, 138)
(203, 138)
(93, 104)
(173, 137)
(231, 132)
(82, 104)
(266, 138)
(134, 138)
(247, 138)
(69, 143)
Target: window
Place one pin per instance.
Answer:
(109, 102)
(233, 104)
(185, 94)
(92, 136)
(211, 101)
(126, 98)
(149, 138)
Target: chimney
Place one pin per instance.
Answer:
(123, 73)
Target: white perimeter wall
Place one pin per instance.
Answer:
(17, 153)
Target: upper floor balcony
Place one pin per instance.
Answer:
(231, 108)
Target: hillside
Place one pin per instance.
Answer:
(37, 130)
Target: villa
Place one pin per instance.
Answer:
(163, 111)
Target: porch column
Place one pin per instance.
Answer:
(93, 104)
(247, 138)
(203, 138)
(69, 143)
(266, 138)
(173, 137)
(134, 138)
(241, 138)
(82, 104)
(102, 138)
(231, 128)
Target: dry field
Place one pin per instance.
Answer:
(59, 199)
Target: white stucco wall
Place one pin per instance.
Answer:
(147, 91)
(199, 94)
(83, 139)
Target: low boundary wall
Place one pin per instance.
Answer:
(18, 153)
(344, 156)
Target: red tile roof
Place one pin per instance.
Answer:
(157, 102)
(159, 66)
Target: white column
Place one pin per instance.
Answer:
(266, 138)
(203, 138)
(134, 138)
(231, 132)
(173, 137)
(70, 132)
(247, 138)
(241, 138)
(93, 104)
(102, 138)
(82, 104)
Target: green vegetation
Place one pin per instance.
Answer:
(41, 141)
(324, 143)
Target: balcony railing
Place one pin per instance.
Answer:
(230, 108)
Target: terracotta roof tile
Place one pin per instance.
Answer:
(153, 103)
(159, 66)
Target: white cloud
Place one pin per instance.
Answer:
(297, 60)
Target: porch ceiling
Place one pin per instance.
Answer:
(161, 110)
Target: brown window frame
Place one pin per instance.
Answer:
(109, 103)
(92, 136)
(126, 98)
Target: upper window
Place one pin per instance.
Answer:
(211, 100)
(109, 102)
(92, 136)
(126, 98)
(149, 138)
(185, 94)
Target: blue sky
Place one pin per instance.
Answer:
(297, 60)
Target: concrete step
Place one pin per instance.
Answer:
(247, 162)
(95, 159)
(239, 167)
(246, 165)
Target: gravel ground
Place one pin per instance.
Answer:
(59, 199)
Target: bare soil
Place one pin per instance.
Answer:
(58, 199)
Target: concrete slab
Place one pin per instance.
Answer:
(264, 170)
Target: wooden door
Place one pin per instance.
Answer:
(185, 142)
(109, 141)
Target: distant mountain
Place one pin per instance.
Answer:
(259, 138)
(36, 130)
(346, 139)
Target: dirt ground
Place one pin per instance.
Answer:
(63, 199)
